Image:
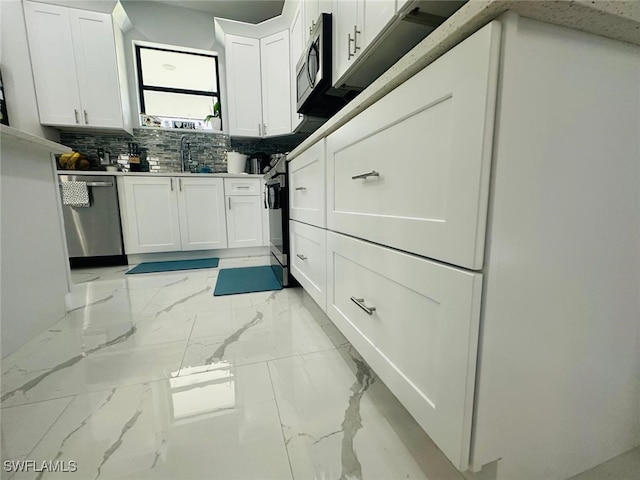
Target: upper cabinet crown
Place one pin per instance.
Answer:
(258, 85)
(78, 74)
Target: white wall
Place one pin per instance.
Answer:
(17, 76)
(33, 261)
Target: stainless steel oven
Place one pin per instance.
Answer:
(277, 201)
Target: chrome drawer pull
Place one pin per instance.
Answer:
(360, 303)
(372, 173)
(301, 188)
(86, 118)
(301, 257)
(75, 111)
(240, 187)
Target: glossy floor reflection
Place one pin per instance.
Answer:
(152, 377)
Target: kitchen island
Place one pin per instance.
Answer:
(502, 151)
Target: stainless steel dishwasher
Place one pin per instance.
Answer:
(94, 233)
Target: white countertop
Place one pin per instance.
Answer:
(617, 19)
(10, 134)
(154, 174)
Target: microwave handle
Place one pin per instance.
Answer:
(312, 47)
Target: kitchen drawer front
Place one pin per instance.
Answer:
(308, 260)
(412, 171)
(420, 334)
(307, 193)
(241, 186)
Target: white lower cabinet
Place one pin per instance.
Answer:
(164, 214)
(412, 170)
(244, 221)
(308, 260)
(416, 323)
(202, 216)
(307, 186)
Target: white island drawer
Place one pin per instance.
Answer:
(412, 170)
(416, 323)
(307, 186)
(308, 260)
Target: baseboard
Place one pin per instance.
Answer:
(222, 253)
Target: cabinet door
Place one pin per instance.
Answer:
(243, 86)
(296, 47)
(307, 186)
(97, 69)
(203, 224)
(311, 14)
(151, 215)
(53, 63)
(276, 84)
(412, 170)
(244, 221)
(416, 323)
(345, 21)
(376, 15)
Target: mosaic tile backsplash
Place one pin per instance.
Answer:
(163, 147)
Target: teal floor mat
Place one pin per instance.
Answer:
(232, 281)
(174, 265)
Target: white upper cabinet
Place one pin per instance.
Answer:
(258, 85)
(357, 23)
(345, 20)
(75, 67)
(296, 47)
(311, 10)
(276, 84)
(243, 86)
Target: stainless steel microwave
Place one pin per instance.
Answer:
(313, 73)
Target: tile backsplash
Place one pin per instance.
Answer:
(163, 146)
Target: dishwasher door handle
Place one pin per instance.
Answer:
(99, 184)
(95, 184)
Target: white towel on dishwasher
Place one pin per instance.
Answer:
(75, 194)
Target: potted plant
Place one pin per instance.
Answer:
(214, 117)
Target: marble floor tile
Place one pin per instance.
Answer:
(152, 377)
(256, 334)
(24, 426)
(340, 421)
(118, 360)
(217, 424)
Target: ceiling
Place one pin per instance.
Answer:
(251, 11)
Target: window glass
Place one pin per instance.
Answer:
(178, 70)
(174, 84)
(164, 104)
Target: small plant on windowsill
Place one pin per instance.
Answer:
(214, 117)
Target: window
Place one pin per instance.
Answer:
(181, 88)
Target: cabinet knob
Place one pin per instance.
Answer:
(360, 303)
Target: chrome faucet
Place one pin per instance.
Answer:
(185, 153)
